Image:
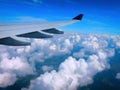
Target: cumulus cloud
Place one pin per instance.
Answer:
(20, 61)
(7, 79)
(116, 40)
(72, 73)
(46, 68)
(93, 57)
(10, 69)
(118, 76)
(16, 65)
(85, 55)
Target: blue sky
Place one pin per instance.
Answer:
(100, 16)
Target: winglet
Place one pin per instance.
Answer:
(79, 17)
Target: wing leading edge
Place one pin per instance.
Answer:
(45, 30)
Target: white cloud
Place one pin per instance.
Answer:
(17, 65)
(118, 76)
(7, 79)
(116, 41)
(20, 61)
(46, 68)
(81, 54)
(72, 72)
(53, 47)
(118, 44)
(89, 55)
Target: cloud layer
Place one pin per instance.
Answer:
(86, 56)
(93, 56)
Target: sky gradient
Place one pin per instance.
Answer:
(100, 16)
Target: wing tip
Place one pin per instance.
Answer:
(79, 17)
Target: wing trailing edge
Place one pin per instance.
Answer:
(13, 42)
(35, 34)
(53, 31)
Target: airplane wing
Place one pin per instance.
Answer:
(34, 30)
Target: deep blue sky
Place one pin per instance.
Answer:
(100, 16)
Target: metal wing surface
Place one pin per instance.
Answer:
(31, 30)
